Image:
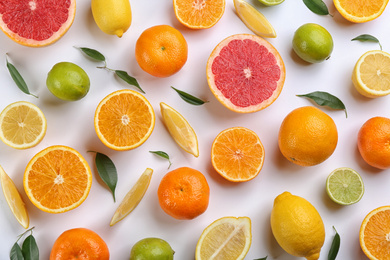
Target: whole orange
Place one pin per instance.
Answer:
(307, 136)
(184, 193)
(161, 50)
(79, 243)
(373, 142)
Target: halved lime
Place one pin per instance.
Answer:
(271, 2)
(345, 186)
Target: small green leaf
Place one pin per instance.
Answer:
(326, 99)
(264, 258)
(107, 171)
(163, 155)
(94, 54)
(189, 98)
(30, 248)
(317, 6)
(367, 38)
(18, 79)
(128, 79)
(334, 248)
(16, 253)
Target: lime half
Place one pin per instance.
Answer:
(345, 186)
(271, 2)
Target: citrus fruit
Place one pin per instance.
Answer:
(371, 74)
(227, 238)
(161, 50)
(13, 198)
(184, 193)
(68, 81)
(345, 186)
(312, 43)
(151, 248)
(297, 226)
(79, 243)
(307, 136)
(271, 2)
(57, 179)
(22, 125)
(36, 23)
(124, 120)
(374, 234)
(180, 130)
(254, 20)
(112, 16)
(245, 73)
(199, 14)
(237, 154)
(360, 11)
(373, 142)
(133, 197)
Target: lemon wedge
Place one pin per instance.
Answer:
(254, 20)
(133, 197)
(14, 199)
(180, 130)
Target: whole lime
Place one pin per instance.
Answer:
(151, 249)
(312, 43)
(68, 81)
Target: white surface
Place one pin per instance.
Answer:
(71, 123)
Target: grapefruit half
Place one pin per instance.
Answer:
(245, 73)
(36, 23)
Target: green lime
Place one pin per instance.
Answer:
(271, 2)
(68, 81)
(345, 186)
(312, 43)
(151, 249)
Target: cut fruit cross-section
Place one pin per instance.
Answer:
(360, 11)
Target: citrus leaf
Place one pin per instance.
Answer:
(107, 171)
(30, 248)
(128, 79)
(189, 98)
(16, 253)
(326, 99)
(367, 38)
(18, 79)
(334, 248)
(264, 258)
(163, 155)
(317, 6)
(94, 54)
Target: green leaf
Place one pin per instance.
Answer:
(107, 171)
(16, 253)
(18, 79)
(264, 258)
(163, 155)
(189, 98)
(94, 54)
(367, 38)
(30, 248)
(334, 248)
(128, 79)
(317, 6)
(326, 99)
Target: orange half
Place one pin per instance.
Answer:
(360, 11)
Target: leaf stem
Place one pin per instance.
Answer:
(21, 235)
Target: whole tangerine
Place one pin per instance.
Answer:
(184, 193)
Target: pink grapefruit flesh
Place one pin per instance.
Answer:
(36, 22)
(245, 73)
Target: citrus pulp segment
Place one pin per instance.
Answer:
(133, 197)
(22, 125)
(237, 154)
(245, 73)
(374, 235)
(360, 11)
(271, 2)
(253, 19)
(14, 200)
(124, 120)
(57, 179)
(199, 14)
(180, 130)
(345, 186)
(371, 74)
(36, 23)
(227, 238)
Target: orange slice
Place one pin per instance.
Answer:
(237, 154)
(57, 179)
(374, 234)
(199, 14)
(360, 11)
(124, 120)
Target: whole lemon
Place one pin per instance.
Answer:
(151, 248)
(112, 16)
(312, 43)
(297, 226)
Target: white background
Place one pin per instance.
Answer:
(71, 124)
